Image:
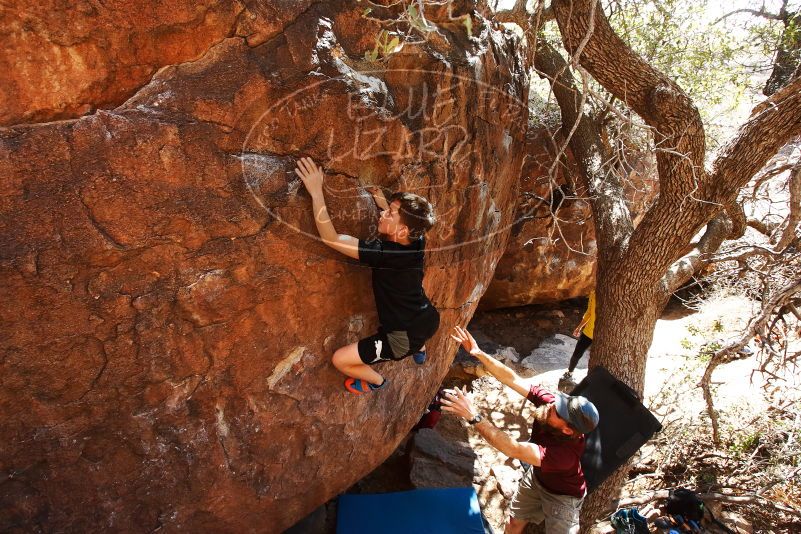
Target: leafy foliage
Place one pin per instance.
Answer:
(385, 44)
(408, 24)
(718, 63)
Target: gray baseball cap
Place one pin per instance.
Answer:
(578, 411)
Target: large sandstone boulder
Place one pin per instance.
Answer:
(551, 251)
(63, 59)
(436, 462)
(168, 314)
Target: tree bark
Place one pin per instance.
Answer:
(788, 54)
(637, 268)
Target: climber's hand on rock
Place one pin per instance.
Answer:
(466, 339)
(457, 402)
(378, 196)
(312, 176)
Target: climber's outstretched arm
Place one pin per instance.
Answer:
(312, 177)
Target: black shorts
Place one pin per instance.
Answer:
(396, 344)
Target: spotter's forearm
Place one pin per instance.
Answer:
(527, 452)
(497, 369)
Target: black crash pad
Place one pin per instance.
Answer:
(624, 426)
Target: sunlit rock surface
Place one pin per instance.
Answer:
(64, 59)
(551, 251)
(168, 314)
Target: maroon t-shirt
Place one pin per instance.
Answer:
(560, 466)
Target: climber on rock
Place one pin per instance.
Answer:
(407, 318)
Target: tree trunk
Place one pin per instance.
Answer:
(637, 268)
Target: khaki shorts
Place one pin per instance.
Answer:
(535, 504)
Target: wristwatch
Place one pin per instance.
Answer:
(475, 420)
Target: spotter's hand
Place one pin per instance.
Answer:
(457, 402)
(468, 343)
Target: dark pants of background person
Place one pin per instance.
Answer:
(582, 344)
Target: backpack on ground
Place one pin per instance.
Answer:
(685, 503)
(629, 521)
(688, 506)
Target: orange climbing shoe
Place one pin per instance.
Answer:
(360, 387)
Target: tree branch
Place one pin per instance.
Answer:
(529, 22)
(757, 13)
(611, 214)
(761, 226)
(519, 15)
(786, 62)
(767, 174)
(791, 223)
(717, 230)
(729, 352)
(652, 95)
(741, 254)
(739, 222)
(715, 497)
(772, 124)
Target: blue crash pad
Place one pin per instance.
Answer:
(421, 511)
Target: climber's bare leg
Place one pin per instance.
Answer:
(348, 361)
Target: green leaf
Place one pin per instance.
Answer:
(416, 19)
(468, 23)
(393, 45)
(367, 11)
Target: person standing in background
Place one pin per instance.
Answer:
(584, 332)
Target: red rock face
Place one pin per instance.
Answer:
(168, 315)
(64, 59)
(551, 251)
